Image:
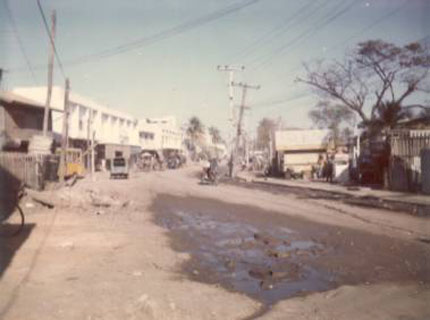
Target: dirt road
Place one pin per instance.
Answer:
(161, 246)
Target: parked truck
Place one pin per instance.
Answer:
(298, 151)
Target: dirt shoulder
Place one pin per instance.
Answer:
(88, 260)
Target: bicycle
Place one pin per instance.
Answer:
(12, 218)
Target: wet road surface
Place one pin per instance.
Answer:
(269, 256)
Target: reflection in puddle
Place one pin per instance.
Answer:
(269, 264)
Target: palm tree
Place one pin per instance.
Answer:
(195, 129)
(215, 134)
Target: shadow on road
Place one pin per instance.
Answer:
(9, 246)
(9, 188)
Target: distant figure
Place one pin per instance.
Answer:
(206, 168)
(320, 166)
(243, 164)
(330, 169)
(213, 168)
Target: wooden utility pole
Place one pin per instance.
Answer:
(50, 72)
(231, 70)
(233, 116)
(65, 134)
(89, 126)
(234, 152)
(93, 169)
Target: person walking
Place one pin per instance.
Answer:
(330, 168)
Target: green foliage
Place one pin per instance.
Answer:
(195, 128)
(215, 135)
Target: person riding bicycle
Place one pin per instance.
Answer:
(206, 168)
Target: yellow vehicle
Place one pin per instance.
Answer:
(75, 163)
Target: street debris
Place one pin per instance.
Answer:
(41, 197)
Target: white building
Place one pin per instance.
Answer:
(160, 134)
(114, 131)
(110, 126)
(213, 148)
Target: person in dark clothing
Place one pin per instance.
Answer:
(330, 169)
(213, 167)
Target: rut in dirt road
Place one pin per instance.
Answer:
(270, 257)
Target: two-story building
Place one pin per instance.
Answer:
(160, 134)
(114, 132)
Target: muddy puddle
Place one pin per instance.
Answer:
(266, 256)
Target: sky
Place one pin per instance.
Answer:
(155, 58)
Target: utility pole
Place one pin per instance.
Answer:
(93, 169)
(231, 70)
(232, 118)
(89, 123)
(234, 152)
(65, 133)
(50, 72)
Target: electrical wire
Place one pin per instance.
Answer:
(368, 27)
(279, 29)
(276, 102)
(159, 36)
(372, 25)
(309, 32)
(48, 32)
(162, 35)
(18, 38)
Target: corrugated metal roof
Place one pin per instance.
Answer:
(10, 97)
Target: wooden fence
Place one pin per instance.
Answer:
(31, 169)
(405, 161)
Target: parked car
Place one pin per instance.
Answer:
(119, 168)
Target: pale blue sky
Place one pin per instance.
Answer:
(177, 75)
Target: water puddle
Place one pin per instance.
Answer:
(268, 263)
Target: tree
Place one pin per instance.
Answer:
(328, 115)
(387, 116)
(377, 74)
(195, 130)
(215, 135)
(265, 131)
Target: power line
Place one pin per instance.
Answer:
(327, 13)
(162, 35)
(48, 32)
(277, 102)
(181, 28)
(18, 38)
(311, 31)
(268, 36)
(372, 25)
(376, 22)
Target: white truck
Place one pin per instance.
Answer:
(297, 151)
